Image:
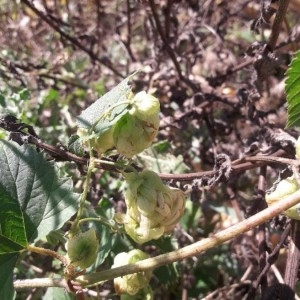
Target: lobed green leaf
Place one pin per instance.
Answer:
(7, 263)
(34, 198)
(292, 89)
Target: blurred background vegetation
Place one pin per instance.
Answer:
(202, 59)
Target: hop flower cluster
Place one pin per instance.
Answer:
(153, 209)
(135, 131)
(132, 283)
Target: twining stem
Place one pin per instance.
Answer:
(47, 252)
(196, 248)
(91, 167)
(101, 220)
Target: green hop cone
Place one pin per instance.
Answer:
(99, 143)
(153, 209)
(284, 188)
(82, 248)
(133, 132)
(144, 105)
(136, 130)
(132, 283)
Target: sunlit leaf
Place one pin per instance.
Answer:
(34, 198)
(100, 115)
(292, 89)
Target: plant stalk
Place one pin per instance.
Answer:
(196, 248)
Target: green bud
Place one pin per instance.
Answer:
(82, 248)
(153, 209)
(284, 188)
(131, 283)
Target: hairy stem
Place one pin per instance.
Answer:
(40, 282)
(47, 252)
(101, 220)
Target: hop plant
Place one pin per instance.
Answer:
(132, 283)
(133, 132)
(82, 248)
(284, 188)
(153, 209)
(136, 130)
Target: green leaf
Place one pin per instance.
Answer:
(167, 274)
(2, 100)
(24, 94)
(12, 231)
(34, 198)
(292, 89)
(106, 240)
(57, 294)
(75, 146)
(97, 114)
(7, 263)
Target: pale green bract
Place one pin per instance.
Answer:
(284, 188)
(132, 283)
(153, 209)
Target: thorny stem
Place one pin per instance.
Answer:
(236, 166)
(196, 248)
